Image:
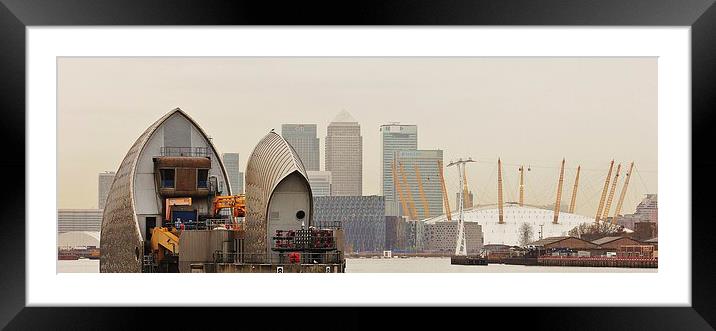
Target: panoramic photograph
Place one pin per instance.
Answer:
(357, 165)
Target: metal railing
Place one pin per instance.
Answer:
(185, 151)
(278, 258)
(213, 223)
(209, 224)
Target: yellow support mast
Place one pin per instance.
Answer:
(522, 185)
(411, 203)
(446, 202)
(573, 202)
(605, 215)
(396, 182)
(622, 194)
(559, 194)
(499, 192)
(426, 207)
(604, 193)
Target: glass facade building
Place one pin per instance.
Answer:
(420, 169)
(344, 156)
(362, 219)
(104, 184)
(79, 220)
(303, 138)
(320, 183)
(236, 177)
(394, 137)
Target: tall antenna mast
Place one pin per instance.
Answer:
(461, 247)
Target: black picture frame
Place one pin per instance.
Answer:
(700, 15)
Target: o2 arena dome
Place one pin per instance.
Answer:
(514, 215)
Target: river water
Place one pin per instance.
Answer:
(442, 265)
(406, 265)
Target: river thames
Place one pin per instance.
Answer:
(401, 265)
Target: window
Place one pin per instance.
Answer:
(167, 178)
(202, 178)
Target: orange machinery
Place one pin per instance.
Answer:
(237, 203)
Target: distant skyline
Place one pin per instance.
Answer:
(531, 111)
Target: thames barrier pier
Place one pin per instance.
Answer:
(171, 209)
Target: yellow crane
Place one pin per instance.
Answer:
(499, 192)
(604, 193)
(573, 202)
(559, 194)
(426, 207)
(411, 203)
(399, 189)
(611, 193)
(164, 242)
(622, 194)
(446, 202)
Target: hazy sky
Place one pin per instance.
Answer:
(531, 111)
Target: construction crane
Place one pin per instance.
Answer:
(573, 202)
(604, 193)
(622, 194)
(499, 192)
(611, 193)
(446, 202)
(426, 207)
(411, 202)
(559, 194)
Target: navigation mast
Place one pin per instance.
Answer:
(461, 247)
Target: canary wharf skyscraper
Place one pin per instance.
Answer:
(394, 137)
(303, 139)
(344, 155)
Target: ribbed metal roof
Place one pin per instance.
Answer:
(120, 236)
(604, 240)
(549, 240)
(272, 160)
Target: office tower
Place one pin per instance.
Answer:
(320, 182)
(419, 177)
(69, 220)
(344, 156)
(303, 138)
(394, 137)
(105, 183)
(236, 177)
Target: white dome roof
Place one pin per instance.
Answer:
(78, 239)
(514, 215)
